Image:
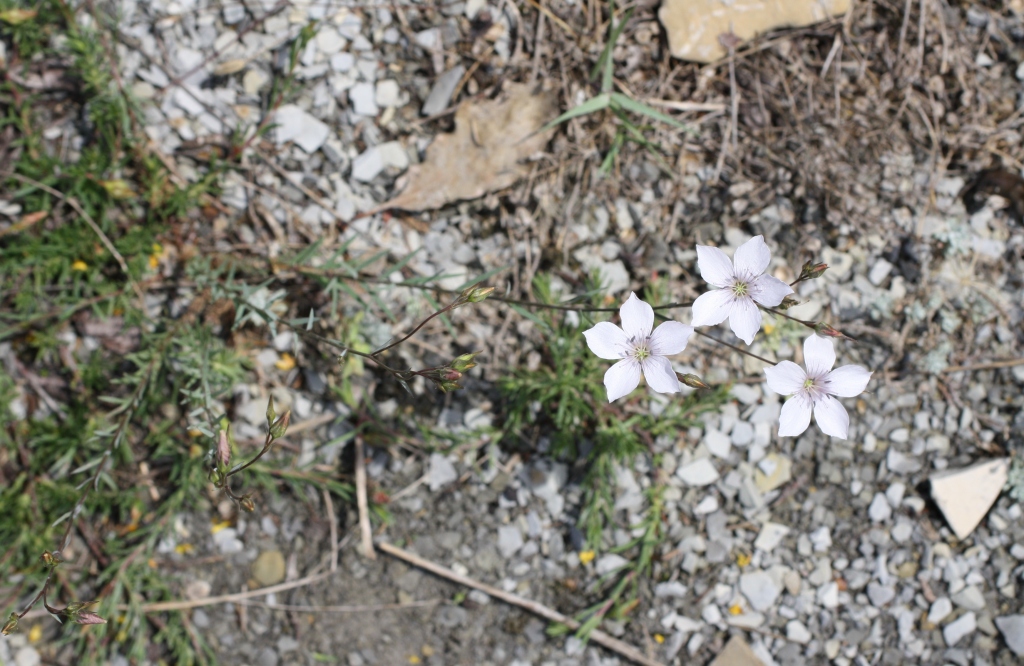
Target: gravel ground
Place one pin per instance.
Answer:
(810, 549)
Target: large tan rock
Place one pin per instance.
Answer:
(965, 495)
(693, 26)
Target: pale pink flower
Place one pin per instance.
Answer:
(741, 284)
(639, 349)
(812, 390)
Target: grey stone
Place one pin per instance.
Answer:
(797, 632)
(362, 96)
(510, 540)
(294, 124)
(442, 90)
(441, 472)
(880, 595)
(388, 93)
(609, 563)
(267, 657)
(698, 473)
(27, 656)
(670, 589)
(963, 626)
(1012, 629)
(969, 598)
(880, 511)
(940, 610)
(759, 589)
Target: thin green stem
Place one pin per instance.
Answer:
(735, 348)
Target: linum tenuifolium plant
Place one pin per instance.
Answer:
(743, 291)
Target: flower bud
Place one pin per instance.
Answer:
(446, 386)
(280, 426)
(271, 414)
(821, 328)
(52, 558)
(811, 271)
(77, 612)
(476, 294)
(693, 381)
(11, 624)
(247, 504)
(223, 450)
(464, 362)
(787, 303)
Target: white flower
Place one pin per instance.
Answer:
(639, 349)
(739, 287)
(813, 390)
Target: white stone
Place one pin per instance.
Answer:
(388, 93)
(797, 632)
(770, 536)
(894, 493)
(609, 563)
(880, 595)
(374, 160)
(1012, 629)
(707, 505)
(670, 589)
(441, 472)
(959, 628)
(759, 589)
(510, 540)
(879, 511)
(698, 473)
(329, 42)
(879, 271)
(969, 598)
(294, 124)
(940, 610)
(717, 443)
(965, 495)
(27, 656)
(821, 538)
(342, 62)
(362, 96)
(828, 595)
(742, 434)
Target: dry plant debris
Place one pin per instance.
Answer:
(484, 154)
(693, 27)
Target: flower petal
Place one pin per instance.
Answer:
(714, 266)
(751, 258)
(622, 378)
(745, 319)
(637, 317)
(769, 291)
(659, 374)
(670, 338)
(831, 417)
(786, 378)
(712, 307)
(819, 356)
(847, 381)
(795, 416)
(607, 340)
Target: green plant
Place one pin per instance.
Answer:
(619, 104)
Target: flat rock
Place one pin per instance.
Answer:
(698, 473)
(955, 631)
(736, 653)
(294, 124)
(372, 161)
(441, 472)
(693, 26)
(510, 540)
(965, 495)
(442, 90)
(1012, 629)
(941, 608)
(759, 589)
(268, 569)
(969, 598)
(717, 442)
(772, 471)
(770, 536)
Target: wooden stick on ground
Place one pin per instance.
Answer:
(615, 645)
(364, 511)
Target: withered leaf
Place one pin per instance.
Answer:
(484, 153)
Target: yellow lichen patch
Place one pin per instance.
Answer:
(218, 525)
(79, 266)
(735, 609)
(659, 639)
(586, 556)
(768, 328)
(742, 560)
(285, 363)
(184, 549)
(414, 659)
(35, 633)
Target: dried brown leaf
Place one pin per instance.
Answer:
(484, 153)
